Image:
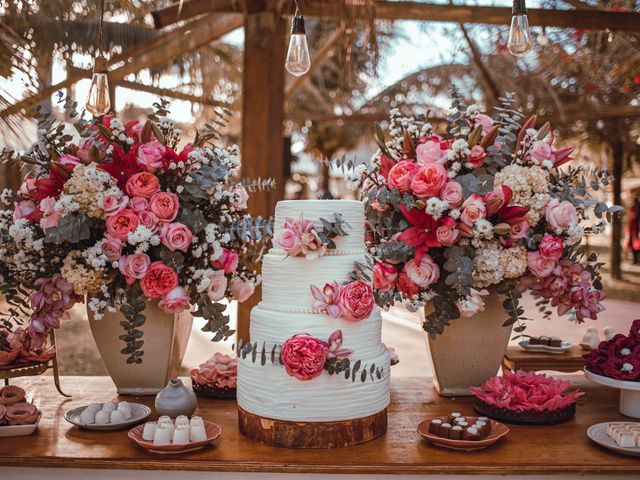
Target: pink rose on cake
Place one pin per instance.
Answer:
(304, 356)
(289, 241)
(312, 246)
(356, 300)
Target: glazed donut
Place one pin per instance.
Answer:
(22, 414)
(11, 395)
(3, 413)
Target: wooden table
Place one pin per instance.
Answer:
(517, 358)
(548, 450)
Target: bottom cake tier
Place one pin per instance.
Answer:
(267, 391)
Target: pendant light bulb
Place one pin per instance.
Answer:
(298, 61)
(99, 101)
(519, 35)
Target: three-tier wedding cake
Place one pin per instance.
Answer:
(316, 355)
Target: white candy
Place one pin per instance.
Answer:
(181, 435)
(162, 435)
(125, 409)
(102, 417)
(87, 416)
(198, 433)
(197, 422)
(117, 416)
(94, 407)
(149, 431)
(182, 420)
(164, 419)
(109, 407)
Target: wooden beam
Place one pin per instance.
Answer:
(182, 11)
(170, 93)
(262, 120)
(490, 84)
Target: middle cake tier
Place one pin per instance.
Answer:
(286, 284)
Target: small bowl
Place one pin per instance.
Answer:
(213, 432)
(19, 430)
(548, 417)
(139, 413)
(498, 430)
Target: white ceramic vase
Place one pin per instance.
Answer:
(470, 350)
(165, 342)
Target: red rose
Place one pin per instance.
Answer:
(304, 356)
(356, 300)
(143, 184)
(159, 280)
(406, 285)
(122, 223)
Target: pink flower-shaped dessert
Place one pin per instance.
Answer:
(221, 371)
(618, 358)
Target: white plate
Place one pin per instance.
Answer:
(19, 430)
(566, 346)
(139, 412)
(598, 433)
(612, 382)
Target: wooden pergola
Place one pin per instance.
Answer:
(192, 24)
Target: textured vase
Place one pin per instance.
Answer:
(165, 342)
(176, 399)
(470, 350)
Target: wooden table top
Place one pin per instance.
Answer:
(559, 449)
(517, 358)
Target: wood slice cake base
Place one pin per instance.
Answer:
(281, 433)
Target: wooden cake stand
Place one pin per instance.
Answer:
(282, 433)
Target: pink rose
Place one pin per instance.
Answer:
(541, 151)
(112, 204)
(551, 248)
(561, 215)
(519, 230)
(134, 266)
(150, 155)
(447, 233)
(538, 265)
(476, 156)
(112, 247)
(23, 209)
(176, 301)
(121, 224)
(497, 198)
(289, 241)
(304, 356)
(472, 303)
(149, 220)
(356, 300)
(425, 274)
(485, 121)
(473, 209)
(176, 236)
(239, 197)
(452, 193)
(401, 174)
(143, 184)
(159, 280)
(165, 205)
(50, 217)
(227, 261)
(384, 276)
(429, 152)
(241, 289)
(217, 288)
(28, 187)
(138, 204)
(429, 180)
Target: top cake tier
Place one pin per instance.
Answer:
(352, 212)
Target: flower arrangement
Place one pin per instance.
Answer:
(221, 372)
(122, 217)
(353, 301)
(18, 348)
(483, 206)
(619, 357)
(302, 238)
(526, 392)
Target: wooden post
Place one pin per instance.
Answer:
(262, 118)
(616, 224)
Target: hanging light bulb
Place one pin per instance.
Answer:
(519, 36)
(298, 61)
(99, 100)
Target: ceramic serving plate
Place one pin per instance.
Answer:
(498, 430)
(19, 430)
(566, 346)
(598, 433)
(139, 413)
(213, 432)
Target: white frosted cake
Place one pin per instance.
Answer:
(286, 310)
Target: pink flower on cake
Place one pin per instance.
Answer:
(138, 204)
(401, 174)
(217, 285)
(159, 280)
(289, 241)
(356, 300)
(143, 184)
(473, 209)
(561, 215)
(112, 204)
(424, 274)
(150, 155)
(539, 265)
(429, 180)
(304, 356)
(112, 247)
(228, 261)
(384, 276)
(551, 247)
(429, 152)
(327, 300)
(312, 246)
(452, 194)
(134, 266)
(176, 236)
(335, 346)
(241, 289)
(121, 224)
(239, 197)
(165, 206)
(476, 156)
(176, 301)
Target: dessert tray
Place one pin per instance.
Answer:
(566, 346)
(598, 433)
(213, 431)
(139, 413)
(548, 417)
(19, 430)
(498, 430)
(213, 392)
(629, 392)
